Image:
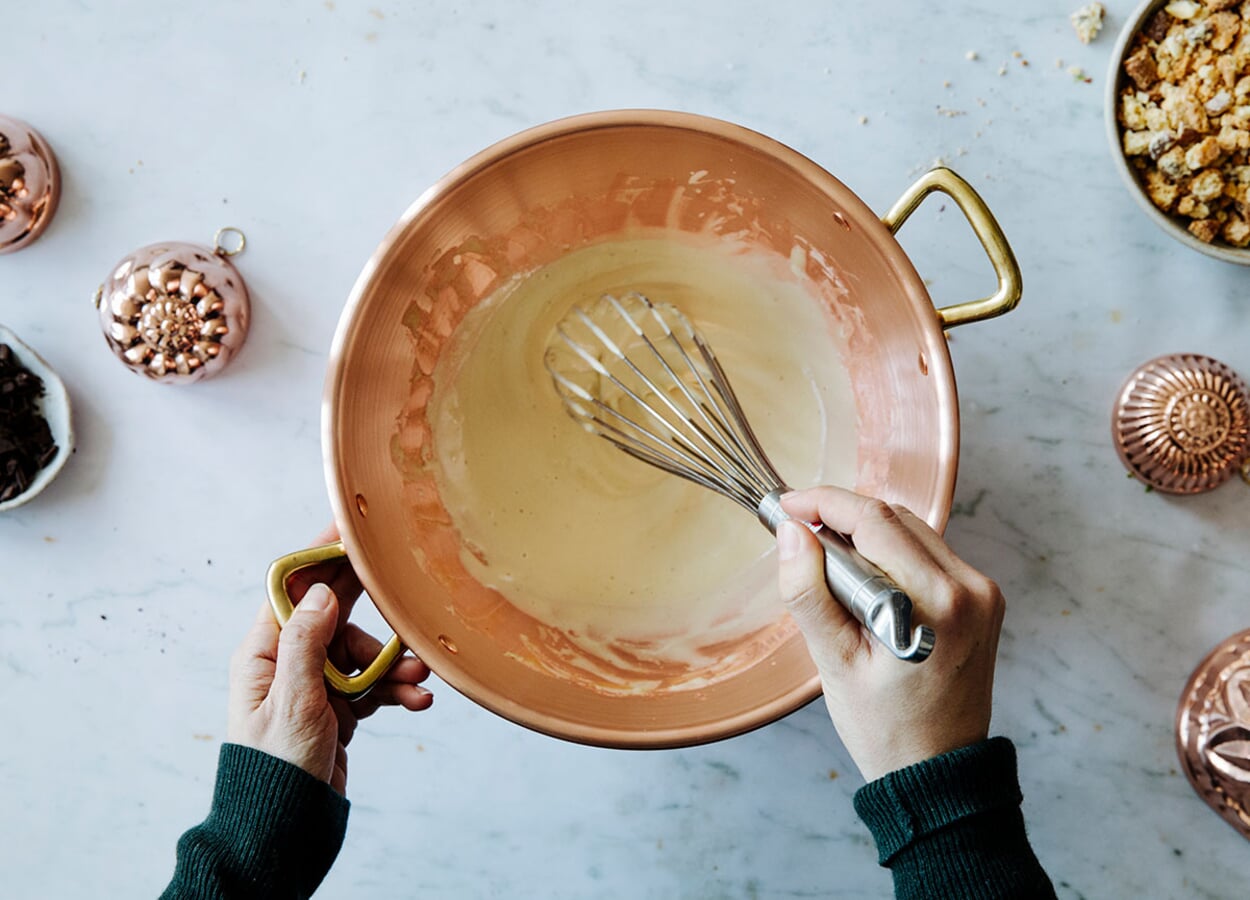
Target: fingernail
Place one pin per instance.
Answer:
(316, 599)
(788, 539)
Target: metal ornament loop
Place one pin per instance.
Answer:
(219, 246)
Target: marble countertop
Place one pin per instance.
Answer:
(311, 126)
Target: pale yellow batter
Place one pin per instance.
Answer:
(613, 553)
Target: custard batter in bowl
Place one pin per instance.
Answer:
(651, 582)
(537, 570)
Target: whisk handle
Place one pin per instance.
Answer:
(876, 601)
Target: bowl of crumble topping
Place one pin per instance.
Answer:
(1178, 118)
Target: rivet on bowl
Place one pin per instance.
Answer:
(362, 506)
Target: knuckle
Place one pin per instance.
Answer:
(294, 633)
(809, 602)
(879, 509)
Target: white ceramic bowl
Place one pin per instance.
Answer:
(1115, 80)
(56, 409)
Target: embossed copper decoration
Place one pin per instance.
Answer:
(1182, 423)
(1213, 730)
(176, 312)
(30, 184)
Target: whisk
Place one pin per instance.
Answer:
(639, 375)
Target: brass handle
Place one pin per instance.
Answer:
(282, 568)
(987, 231)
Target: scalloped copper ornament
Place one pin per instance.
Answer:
(1182, 423)
(176, 312)
(1213, 730)
(30, 184)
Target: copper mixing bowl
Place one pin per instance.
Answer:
(524, 202)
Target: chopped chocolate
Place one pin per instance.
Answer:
(26, 442)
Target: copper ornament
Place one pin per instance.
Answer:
(30, 184)
(175, 312)
(1213, 731)
(1182, 423)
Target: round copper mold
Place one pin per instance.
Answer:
(1213, 731)
(30, 184)
(1182, 423)
(174, 312)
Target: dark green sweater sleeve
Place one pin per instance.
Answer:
(273, 832)
(951, 827)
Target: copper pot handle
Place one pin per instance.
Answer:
(282, 568)
(987, 231)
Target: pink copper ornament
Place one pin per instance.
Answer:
(1213, 731)
(1182, 423)
(30, 184)
(176, 312)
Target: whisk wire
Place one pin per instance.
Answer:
(685, 432)
(756, 453)
(714, 414)
(698, 431)
(642, 442)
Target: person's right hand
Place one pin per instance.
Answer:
(891, 713)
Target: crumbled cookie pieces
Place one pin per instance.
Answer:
(1185, 115)
(1087, 21)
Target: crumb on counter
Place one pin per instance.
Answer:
(971, 56)
(1184, 112)
(1088, 22)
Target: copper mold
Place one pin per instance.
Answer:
(30, 184)
(174, 312)
(1181, 423)
(1213, 731)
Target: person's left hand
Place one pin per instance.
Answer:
(279, 703)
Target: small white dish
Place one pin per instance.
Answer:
(56, 409)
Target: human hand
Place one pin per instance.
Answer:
(888, 712)
(278, 698)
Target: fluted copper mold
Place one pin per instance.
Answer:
(174, 312)
(1213, 731)
(1181, 423)
(30, 184)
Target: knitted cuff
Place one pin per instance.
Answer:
(285, 827)
(904, 806)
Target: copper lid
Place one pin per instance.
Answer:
(1182, 423)
(1213, 731)
(30, 184)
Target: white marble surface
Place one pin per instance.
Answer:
(312, 126)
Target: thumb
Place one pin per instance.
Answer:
(829, 628)
(304, 639)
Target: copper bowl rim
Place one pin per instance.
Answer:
(452, 670)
